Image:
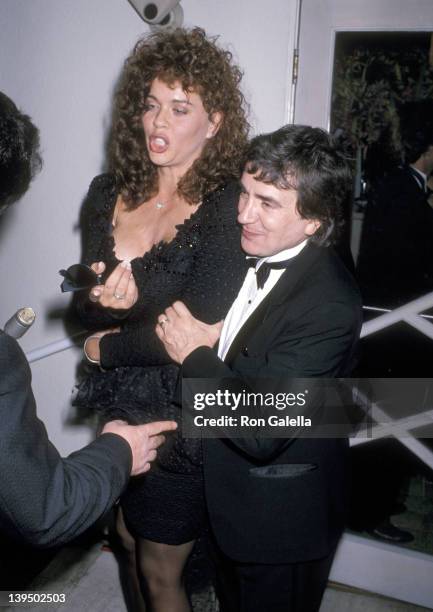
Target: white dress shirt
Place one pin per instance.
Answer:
(249, 297)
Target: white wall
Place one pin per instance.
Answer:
(59, 61)
(261, 37)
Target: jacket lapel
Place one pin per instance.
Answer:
(294, 274)
(253, 322)
(417, 178)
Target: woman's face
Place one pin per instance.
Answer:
(176, 126)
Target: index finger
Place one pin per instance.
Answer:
(123, 282)
(180, 308)
(158, 427)
(114, 278)
(98, 267)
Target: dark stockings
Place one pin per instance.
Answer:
(152, 573)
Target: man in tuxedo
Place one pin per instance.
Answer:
(395, 263)
(277, 507)
(46, 500)
(395, 266)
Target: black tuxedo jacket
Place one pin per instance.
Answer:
(46, 500)
(307, 326)
(395, 263)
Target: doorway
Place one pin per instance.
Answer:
(330, 32)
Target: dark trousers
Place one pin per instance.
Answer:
(292, 587)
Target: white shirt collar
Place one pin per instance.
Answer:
(282, 255)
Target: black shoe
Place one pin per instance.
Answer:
(388, 532)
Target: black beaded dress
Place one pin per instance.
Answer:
(204, 267)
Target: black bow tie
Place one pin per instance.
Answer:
(262, 274)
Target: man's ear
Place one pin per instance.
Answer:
(312, 227)
(215, 121)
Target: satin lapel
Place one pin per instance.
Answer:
(294, 273)
(253, 322)
(417, 178)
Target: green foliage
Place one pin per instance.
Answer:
(369, 87)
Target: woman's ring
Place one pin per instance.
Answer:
(163, 322)
(118, 296)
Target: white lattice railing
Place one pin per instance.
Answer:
(53, 347)
(400, 429)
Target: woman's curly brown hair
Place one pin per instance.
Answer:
(194, 60)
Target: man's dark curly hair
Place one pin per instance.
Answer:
(194, 60)
(310, 161)
(19, 151)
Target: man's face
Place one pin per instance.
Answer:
(269, 218)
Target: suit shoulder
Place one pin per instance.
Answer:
(333, 279)
(393, 185)
(334, 297)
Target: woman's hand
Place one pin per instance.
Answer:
(119, 291)
(91, 345)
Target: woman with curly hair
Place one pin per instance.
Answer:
(164, 223)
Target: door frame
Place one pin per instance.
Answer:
(367, 564)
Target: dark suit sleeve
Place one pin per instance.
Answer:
(44, 499)
(319, 345)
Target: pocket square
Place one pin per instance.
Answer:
(283, 470)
